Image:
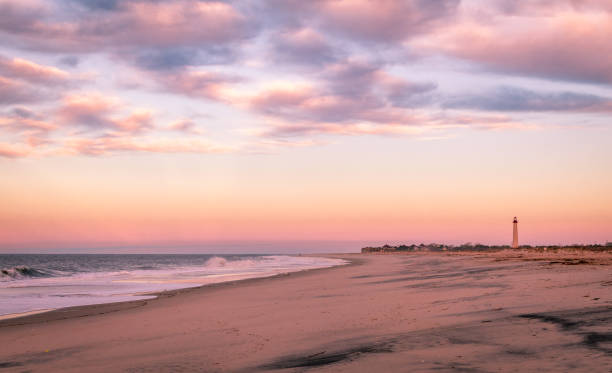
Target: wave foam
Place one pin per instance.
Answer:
(215, 262)
(228, 263)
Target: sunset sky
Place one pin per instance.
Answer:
(179, 123)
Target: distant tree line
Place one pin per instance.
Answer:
(480, 247)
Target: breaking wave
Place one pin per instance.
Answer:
(215, 262)
(228, 263)
(23, 272)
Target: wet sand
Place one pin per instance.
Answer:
(494, 312)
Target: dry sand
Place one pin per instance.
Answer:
(387, 313)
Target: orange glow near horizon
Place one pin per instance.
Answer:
(153, 205)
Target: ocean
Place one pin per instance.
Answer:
(40, 282)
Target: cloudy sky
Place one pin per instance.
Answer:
(159, 122)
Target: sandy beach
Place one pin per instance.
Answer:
(416, 312)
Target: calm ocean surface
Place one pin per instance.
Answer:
(33, 282)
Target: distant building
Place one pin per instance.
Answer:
(515, 243)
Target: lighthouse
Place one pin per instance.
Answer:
(515, 233)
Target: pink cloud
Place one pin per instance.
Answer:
(176, 22)
(369, 20)
(100, 112)
(380, 98)
(13, 150)
(36, 139)
(567, 45)
(21, 123)
(12, 92)
(196, 83)
(545, 7)
(308, 112)
(305, 105)
(24, 81)
(135, 122)
(385, 20)
(27, 132)
(133, 23)
(305, 38)
(186, 126)
(31, 72)
(303, 46)
(419, 125)
(109, 145)
(351, 129)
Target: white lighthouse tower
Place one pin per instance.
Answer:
(515, 233)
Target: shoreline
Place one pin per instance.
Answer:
(64, 313)
(415, 311)
(10, 316)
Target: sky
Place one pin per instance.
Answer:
(318, 125)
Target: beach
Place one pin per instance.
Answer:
(413, 312)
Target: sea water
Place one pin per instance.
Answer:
(35, 282)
